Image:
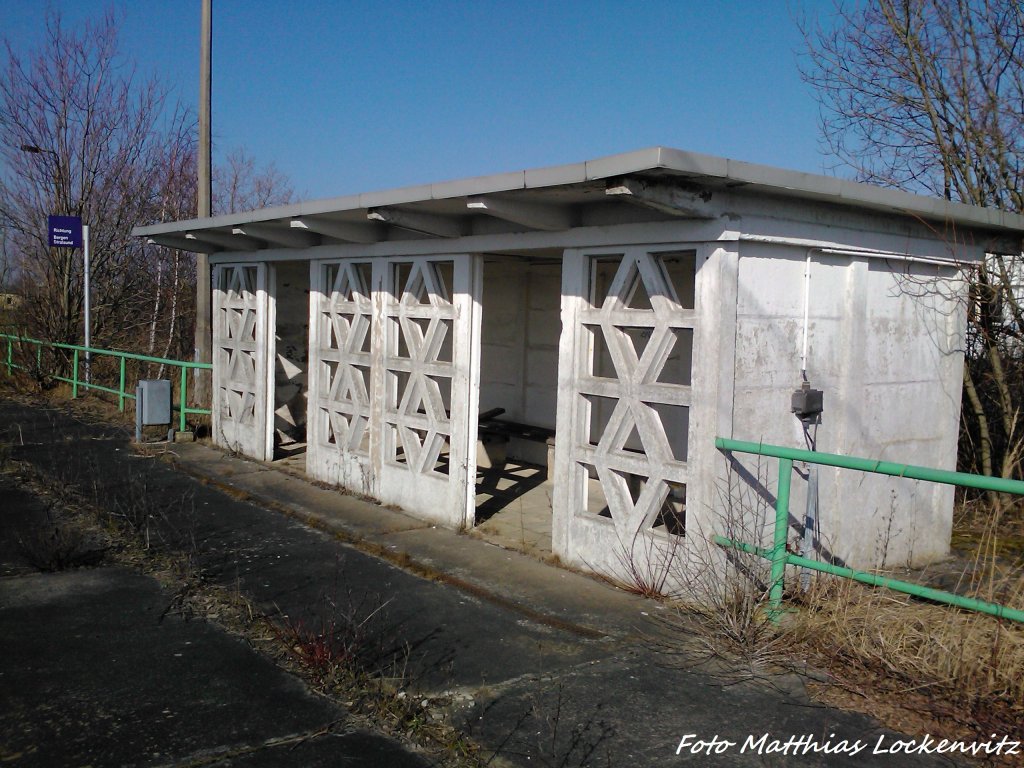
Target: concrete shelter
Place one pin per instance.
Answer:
(603, 322)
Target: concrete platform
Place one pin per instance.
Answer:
(547, 666)
(94, 673)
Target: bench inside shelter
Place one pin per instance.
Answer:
(495, 435)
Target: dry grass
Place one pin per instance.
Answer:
(918, 667)
(59, 546)
(969, 665)
(649, 563)
(959, 668)
(990, 538)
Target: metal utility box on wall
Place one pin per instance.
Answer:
(152, 404)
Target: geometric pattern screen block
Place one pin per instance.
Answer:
(343, 357)
(419, 326)
(236, 344)
(635, 436)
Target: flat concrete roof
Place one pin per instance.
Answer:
(542, 198)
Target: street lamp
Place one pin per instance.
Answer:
(34, 149)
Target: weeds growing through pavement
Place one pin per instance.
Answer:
(563, 740)
(59, 546)
(723, 615)
(347, 650)
(651, 563)
(347, 631)
(555, 730)
(134, 508)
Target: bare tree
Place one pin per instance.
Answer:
(927, 95)
(240, 185)
(6, 273)
(81, 133)
(171, 271)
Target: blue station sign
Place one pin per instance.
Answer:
(65, 231)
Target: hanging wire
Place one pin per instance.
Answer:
(811, 528)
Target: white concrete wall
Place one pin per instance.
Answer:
(543, 326)
(884, 348)
(291, 345)
(503, 338)
(519, 346)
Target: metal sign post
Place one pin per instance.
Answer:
(88, 343)
(68, 232)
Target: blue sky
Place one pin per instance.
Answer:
(353, 96)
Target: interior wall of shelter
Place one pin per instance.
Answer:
(519, 345)
(291, 358)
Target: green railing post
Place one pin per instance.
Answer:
(181, 396)
(120, 388)
(779, 557)
(875, 580)
(122, 394)
(781, 534)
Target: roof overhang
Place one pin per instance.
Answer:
(650, 184)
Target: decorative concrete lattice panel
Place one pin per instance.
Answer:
(419, 320)
(239, 348)
(391, 347)
(236, 343)
(344, 315)
(634, 404)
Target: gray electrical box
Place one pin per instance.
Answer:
(153, 402)
(807, 404)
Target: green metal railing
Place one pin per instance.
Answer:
(76, 382)
(780, 558)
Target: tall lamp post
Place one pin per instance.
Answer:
(71, 241)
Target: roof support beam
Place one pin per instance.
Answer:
(279, 235)
(422, 223)
(350, 232)
(550, 218)
(183, 243)
(1006, 245)
(666, 198)
(230, 242)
